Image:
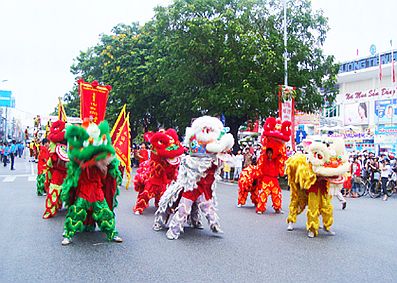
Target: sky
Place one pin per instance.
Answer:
(40, 38)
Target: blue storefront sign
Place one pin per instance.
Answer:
(6, 99)
(369, 62)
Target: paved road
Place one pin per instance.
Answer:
(254, 248)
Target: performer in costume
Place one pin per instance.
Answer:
(42, 167)
(313, 179)
(91, 186)
(261, 180)
(194, 188)
(57, 168)
(154, 175)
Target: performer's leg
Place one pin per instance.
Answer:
(264, 192)
(75, 217)
(326, 210)
(142, 201)
(242, 196)
(195, 217)
(208, 208)
(313, 213)
(52, 201)
(276, 196)
(105, 219)
(179, 219)
(40, 180)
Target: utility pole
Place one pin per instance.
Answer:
(285, 45)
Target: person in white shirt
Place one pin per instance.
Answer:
(238, 165)
(385, 171)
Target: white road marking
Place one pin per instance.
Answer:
(9, 179)
(32, 178)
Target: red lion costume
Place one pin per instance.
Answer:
(261, 180)
(57, 168)
(154, 175)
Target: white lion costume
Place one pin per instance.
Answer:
(193, 191)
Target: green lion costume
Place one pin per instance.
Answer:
(91, 185)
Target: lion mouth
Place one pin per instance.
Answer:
(174, 161)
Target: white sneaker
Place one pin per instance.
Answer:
(310, 234)
(259, 212)
(137, 213)
(238, 205)
(385, 197)
(170, 235)
(329, 232)
(66, 241)
(278, 211)
(290, 226)
(117, 239)
(157, 227)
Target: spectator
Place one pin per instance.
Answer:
(238, 165)
(226, 170)
(356, 176)
(13, 153)
(385, 171)
(6, 153)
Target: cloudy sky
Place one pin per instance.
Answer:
(40, 38)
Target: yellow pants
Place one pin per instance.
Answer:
(319, 203)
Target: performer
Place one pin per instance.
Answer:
(261, 180)
(193, 190)
(42, 167)
(91, 185)
(57, 168)
(154, 175)
(313, 179)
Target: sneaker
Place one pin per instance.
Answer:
(66, 241)
(215, 228)
(117, 239)
(157, 227)
(170, 235)
(343, 205)
(259, 212)
(137, 213)
(385, 197)
(198, 225)
(290, 226)
(239, 205)
(329, 232)
(278, 211)
(310, 234)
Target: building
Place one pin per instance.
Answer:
(366, 106)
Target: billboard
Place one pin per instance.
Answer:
(6, 99)
(386, 111)
(356, 113)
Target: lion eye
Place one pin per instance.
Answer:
(319, 156)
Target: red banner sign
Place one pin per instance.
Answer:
(93, 99)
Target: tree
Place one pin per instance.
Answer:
(211, 57)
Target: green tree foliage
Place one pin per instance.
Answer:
(211, 57)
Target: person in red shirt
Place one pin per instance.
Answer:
(143, 153)
(356, 176)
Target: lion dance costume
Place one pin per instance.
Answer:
(56, 168)
(193, 191)
(91, 185)
(261, 180)
(313, 178)
(42, 170)
(154, 175)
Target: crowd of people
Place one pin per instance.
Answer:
(8, 152)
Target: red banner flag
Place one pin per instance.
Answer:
(93, 99)
(117, 126)
(122, 145)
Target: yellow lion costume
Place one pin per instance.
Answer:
(313, 179)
